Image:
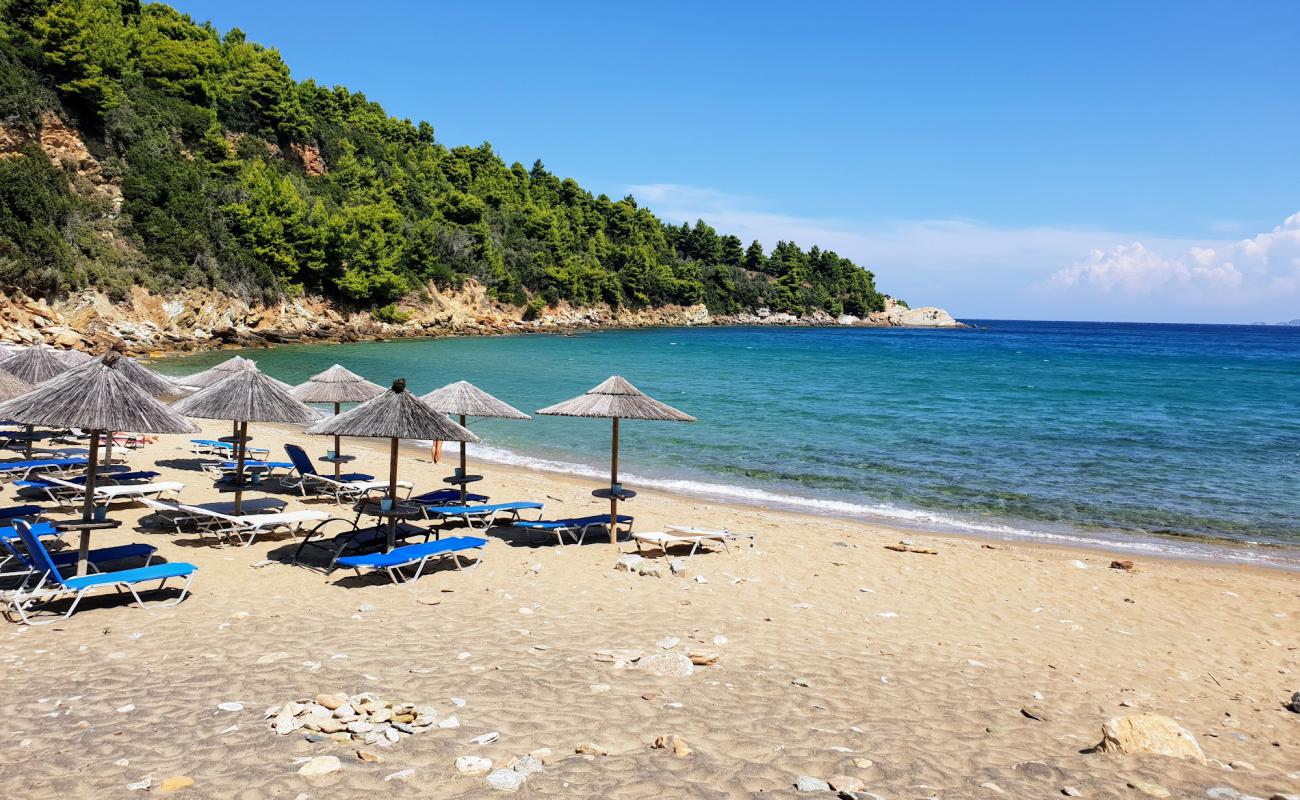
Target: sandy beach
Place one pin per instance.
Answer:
(977, 670)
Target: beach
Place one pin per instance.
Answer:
(946, 667)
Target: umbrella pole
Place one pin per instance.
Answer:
(31, 429)
(88, 504)
(239, 467)
(613, 480)
(392, 494)
(463, 473)
(108, 450)
(336, 447)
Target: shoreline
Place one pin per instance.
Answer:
(1079, 545)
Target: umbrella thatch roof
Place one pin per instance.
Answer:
(34, 365)
(218, 373)
(145, 379)
(395, 414)
(246, 395)
(463, 398)
(616, 398)
(95, 397)
(336, 385)
(11, 387)
(73, 358)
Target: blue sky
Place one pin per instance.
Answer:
(1044, 160)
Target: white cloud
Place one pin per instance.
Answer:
(1261, 272)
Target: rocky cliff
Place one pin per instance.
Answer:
(202, 319)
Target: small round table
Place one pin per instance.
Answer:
(338, 460)
(84, 527)
(399, 511)
(610, 494)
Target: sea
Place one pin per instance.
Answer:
(1146, 439)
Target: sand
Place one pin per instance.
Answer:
(908, 671)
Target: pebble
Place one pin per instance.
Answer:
(231, 706)
(1069, 791)
(141, 785)
(800, 682)
(846, 783)
(449, 722)
(667, 665)
(809, 784)
(863, 763)
(590, 749)
(1242, 765)
(458, 702)
(473, 765)
(486, 738)
(507, 780)
(1148, 788)
(321, 765)
(526, 765)
(668, 643)
(720, 640)
(402, 775)
(1034, 713)
(599, 688)
(675, 743)
(369, 757)
(126, 709)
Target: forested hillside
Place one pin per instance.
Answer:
(215, 168)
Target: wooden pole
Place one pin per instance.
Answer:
(392, 494)
(31, 429)
(463, 473)
(240, 447)
(613, 497)
(88, 504)
(336, 446)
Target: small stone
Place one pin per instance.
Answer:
(402, 775)
(599, 688)
(590, 749)
(526, 765)
(846, 783)
(1126, 566)
(449, 722)
(544, 755)
(286, 724)
(1149, 733)
(458, 702)
(331, 701)
(473, 765)
(391, 735)
(1242, 765)
(1069, 791)
(628, 562)
(800, 682)
(1035, 713)
(231, 706)
(1148, 788)
(675, 743)
(700, 659)
(668, 643)
(369, 757)
(121, 762)
(507, 780)
(720, 640)
(863, 763)
(321, 765)
(365, 608)
(701, 579)
(809, 784)
(141, 785)
(359, 726)
(486, 738)
(678, 567)
(126, 709)
(316, 738)
(667, 665)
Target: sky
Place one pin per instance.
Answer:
(1027, 160)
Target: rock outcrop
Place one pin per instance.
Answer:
(1149, 733)
(66, 150)
(199, 319)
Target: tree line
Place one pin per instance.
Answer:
(217, 151)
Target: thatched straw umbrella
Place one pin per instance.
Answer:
(337, 385)
(144, 379)
(464, 399)
(616, 399)
(395, 415)
(243, 397)
(218, 373)
(11, 387)
(73, 358)
(97, 398)
(36, 365)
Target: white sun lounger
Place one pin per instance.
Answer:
(126, 492)
(247, 525)
(688, 535)
(171, 513)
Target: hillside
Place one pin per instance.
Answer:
(142, 149)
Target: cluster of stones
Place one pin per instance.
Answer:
(508, 777)
(363, 718)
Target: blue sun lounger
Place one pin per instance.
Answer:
(52, 586)
(575, 527)
(445, 497)
(22, 470)
(214, 447)
(417, 554)
(12, 550)
(486, 516)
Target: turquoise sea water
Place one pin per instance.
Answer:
(1145, 437)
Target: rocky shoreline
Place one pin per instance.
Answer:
(202, 319)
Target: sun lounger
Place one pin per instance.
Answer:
(575, 527)
(347, 487)
(64, 495)
(213, 447)
(127, 492)
(22, 470)
(255, 470)
(418, 555)
(173, 514)
(52, 586)
(12, 551)
(486, 516)
(247, 525)
(687, 536)
(446, 497)
(352, 538)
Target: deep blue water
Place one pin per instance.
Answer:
(1142, 435)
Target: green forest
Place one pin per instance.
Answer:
(205, 132)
